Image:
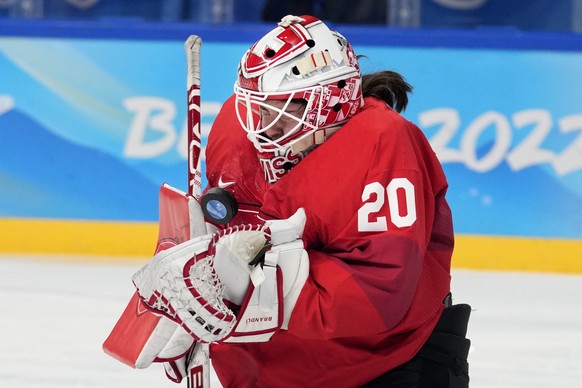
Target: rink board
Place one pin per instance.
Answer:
(94, 240)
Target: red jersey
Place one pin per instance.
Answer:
(379, 237)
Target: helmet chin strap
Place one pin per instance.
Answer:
(313, 139)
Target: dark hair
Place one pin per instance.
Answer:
(389, 86)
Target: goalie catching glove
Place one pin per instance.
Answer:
(237, 285)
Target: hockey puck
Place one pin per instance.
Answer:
(218, 205)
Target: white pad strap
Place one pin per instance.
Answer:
(268, 289)
(294, 266)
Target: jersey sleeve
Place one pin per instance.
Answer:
(370, 197)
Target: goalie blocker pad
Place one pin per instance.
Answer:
(269, 302)
(256, 323)
(141, 337)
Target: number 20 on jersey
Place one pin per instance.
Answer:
(375, 195)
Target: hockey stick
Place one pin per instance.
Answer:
(198, 362)
(219, 205)
(140, 337)
(192, 46)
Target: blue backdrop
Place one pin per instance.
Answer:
(91, 125)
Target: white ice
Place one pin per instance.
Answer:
(526, 329)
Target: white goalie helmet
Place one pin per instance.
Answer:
(301, 60)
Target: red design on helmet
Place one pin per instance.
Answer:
(301, 59)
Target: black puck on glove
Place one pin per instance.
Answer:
(218, 205)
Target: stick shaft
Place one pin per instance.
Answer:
(192, 47)
(199, 366)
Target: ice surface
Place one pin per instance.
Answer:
(526, 328)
